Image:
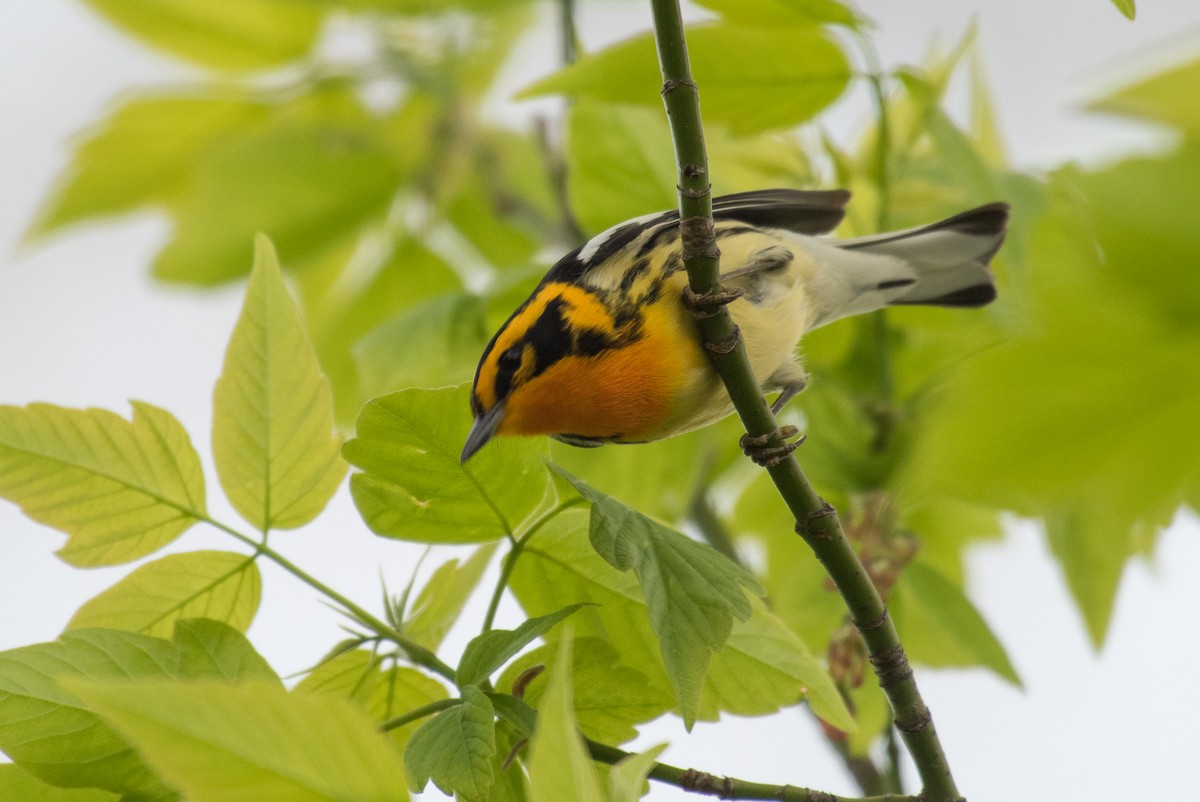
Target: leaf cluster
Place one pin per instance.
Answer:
(408, 220)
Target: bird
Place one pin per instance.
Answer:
(607, 347)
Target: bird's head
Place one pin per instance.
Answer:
(564, 364)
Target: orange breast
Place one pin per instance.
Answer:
(623, 394)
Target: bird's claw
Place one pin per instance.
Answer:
(767, 456)
(702, 305)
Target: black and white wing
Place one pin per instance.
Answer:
(802, 211)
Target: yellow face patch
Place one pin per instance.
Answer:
(581, 311)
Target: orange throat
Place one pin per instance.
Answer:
(625, 394)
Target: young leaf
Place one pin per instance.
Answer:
(627, 780)
(442, 599)
(433, 344)
(786, 12)
(560, 768)
(276, 453)
(490, 650)
(692, 592)
(21, 786)
(384, 691)
(249, 742)
(610, 697)
(219, 585)
(1163, 97)
(310, 182)
(939, 625)
(212, 650)
(50, 733)
(119, 489)
(455, 749)
(413, 485)
(799, 64)
(1126, 7)
(251, 34)
(156, 140)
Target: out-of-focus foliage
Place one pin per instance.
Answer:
(410, 224)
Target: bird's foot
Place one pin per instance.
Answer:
(702, 305)
(767, 456)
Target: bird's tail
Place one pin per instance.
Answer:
(941, 264)
(948, 259)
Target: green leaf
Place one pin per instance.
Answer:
(143, 153)
(939, 626)
(1164, 97)
(50, 733)
(219, 585)
(1126, 7)
(455, 749)
(20, 786)
(1108, 460)
(434, 344)
(559, 567)
(610, 697)
(119, 489)
(442, 599)
(783, 12)
(560, 768)
(212, 650)
(276, 453)
(627, 779)
(383, 691)
(286, 746)
(620, 162)
(312, 179)
(413, 485)
(763, 665)
(692, 593)
(338, 317)
(251, 34)
(796, 72)
(491, 650)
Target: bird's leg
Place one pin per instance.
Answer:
(790, 379)
(766, 456)
(702, 305)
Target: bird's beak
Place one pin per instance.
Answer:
(482, 430)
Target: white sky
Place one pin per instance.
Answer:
(81, 325)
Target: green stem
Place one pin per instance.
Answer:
(419, 713)
(417, 653)
(699, 782)
(702, 514)
(816, 521)
(510, 559)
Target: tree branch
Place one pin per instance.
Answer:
(816, 521)
(705, 784)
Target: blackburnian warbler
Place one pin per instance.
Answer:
(606, 350)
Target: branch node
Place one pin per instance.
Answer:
(701, 782)
(874, 623)
(919, 721)
(694, 194)
(671, 84)
(807, 527)
(891, 666)
(726, 344)
(698, 238)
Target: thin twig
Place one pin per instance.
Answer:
(705, 784)
(816, 521)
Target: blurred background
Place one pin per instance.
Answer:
(109, 297)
